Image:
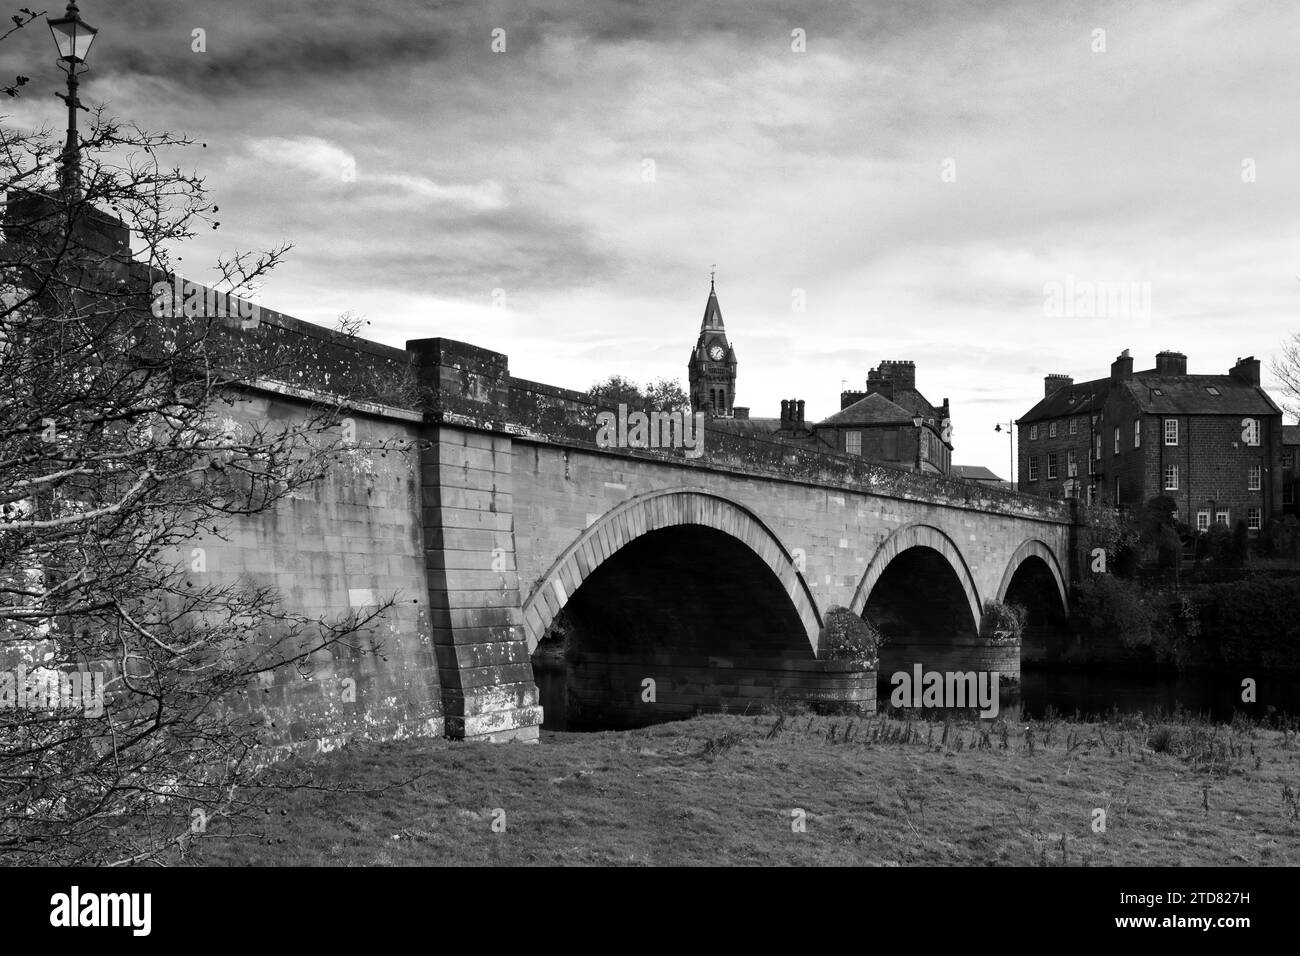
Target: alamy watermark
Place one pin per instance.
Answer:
(654, 430)
(951, 689)
(43, 689)
(181, 297)
(1077, 299)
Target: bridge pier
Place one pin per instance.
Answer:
(488, 691)
(950, 653)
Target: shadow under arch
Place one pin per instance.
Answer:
(1036, 549)
(918, 535)
(641, 515)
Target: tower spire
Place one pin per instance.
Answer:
(712, 311)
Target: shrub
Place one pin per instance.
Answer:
(1284, 537)
(1169, 548)
(1256, 621)
(1115, 607)
(1240, 544)
(848, 637)
(1003, 623)
(1215, 545)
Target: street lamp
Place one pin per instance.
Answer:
(1011, 448)
(73, 37)
(917, 421)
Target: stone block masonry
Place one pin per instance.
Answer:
(467, 512)
(343, 545)
(503, 506)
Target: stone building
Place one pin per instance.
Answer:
(1212, 443)
(891, 422)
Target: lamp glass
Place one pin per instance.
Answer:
(916, 421)
(73, 37)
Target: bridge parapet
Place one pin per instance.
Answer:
(551, 415)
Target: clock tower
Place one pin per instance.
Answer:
(712, 367)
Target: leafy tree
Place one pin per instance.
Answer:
(663, 395)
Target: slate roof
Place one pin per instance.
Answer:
(914, 403)
(1087, 397)
(875, 409)
(1179, 395)
(974, 473)
(749, 427)
(1189, 395)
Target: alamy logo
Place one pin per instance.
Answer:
(953, 689)
(1073, 299)
(102, 909)
(655, 430)
(43, 689)
(181, 297)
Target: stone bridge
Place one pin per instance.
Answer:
(685, 582)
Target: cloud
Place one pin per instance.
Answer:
(331, 164)
(416, 171)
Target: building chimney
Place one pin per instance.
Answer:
(1055, 381)
(798, 415)
(878, 383)
(1122, 368)
(902, 374)
(1246, 370)
(785, 413)
(740, 411)
(1171, 363)
(848, 398)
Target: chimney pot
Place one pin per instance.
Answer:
(1171, 363)
(1122, 368)
(1246, 370)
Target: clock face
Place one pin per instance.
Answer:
(715, 353)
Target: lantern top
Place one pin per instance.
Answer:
(72, 35)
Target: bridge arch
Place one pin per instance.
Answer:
(922, 536)
(655, 511)
(1034, 548)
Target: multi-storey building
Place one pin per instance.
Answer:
(1212, 443)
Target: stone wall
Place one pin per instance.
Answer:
(344, 544)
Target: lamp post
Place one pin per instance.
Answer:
(72, 36)
(917, 421)
(1011, 449)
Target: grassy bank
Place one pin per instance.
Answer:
(723, 790)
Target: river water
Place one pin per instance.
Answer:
(1214, 695)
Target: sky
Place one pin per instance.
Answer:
(873, 180)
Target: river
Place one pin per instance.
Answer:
(1210, 694)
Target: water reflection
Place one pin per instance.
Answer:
(1216, 695)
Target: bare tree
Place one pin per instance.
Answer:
(1287, 369)
(125, 675)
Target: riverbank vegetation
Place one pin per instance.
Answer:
(1177, 597)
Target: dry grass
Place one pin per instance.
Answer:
(722, 790)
